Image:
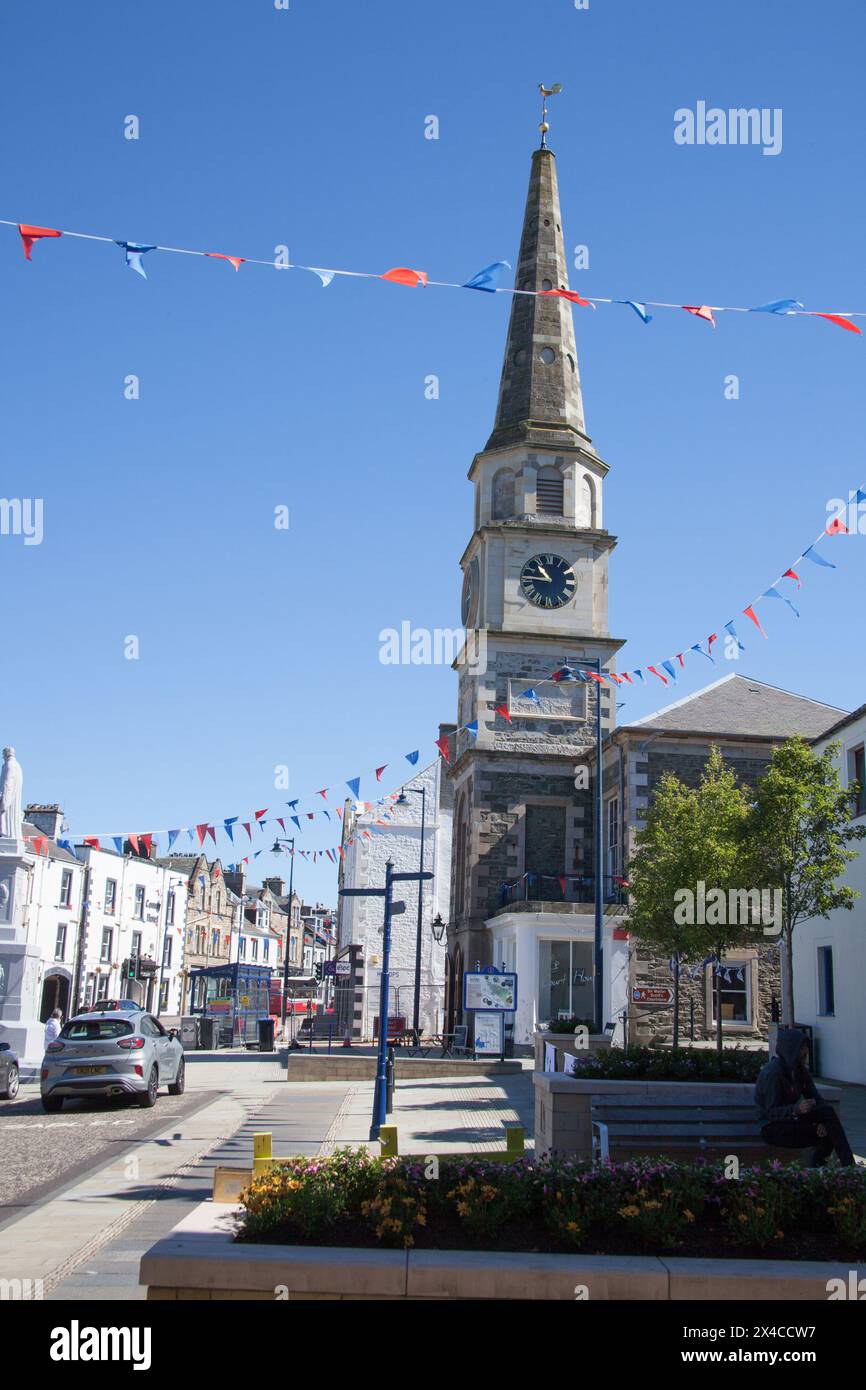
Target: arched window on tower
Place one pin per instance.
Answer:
(503, 494)
(549, 492)
(589, 502)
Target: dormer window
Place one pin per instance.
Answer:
(549, 492)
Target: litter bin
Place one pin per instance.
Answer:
(189, 1032)
(208, 1033)
(266, 1035)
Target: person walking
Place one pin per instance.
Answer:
(52, 1027)
(792, 1113)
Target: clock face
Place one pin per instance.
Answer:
(469, 601)
(548, 581)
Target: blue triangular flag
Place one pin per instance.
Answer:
(293, 804)
(134, 252)
(529, 695)
(354, 785)
(488, 278)
(698, 648)
(118, 843)
(296, 820)
(472, 728)
(810, 553)
(861, 495)
(412, 757)
(228, 823)
(773, 592)
(639, 675)
(640, 309)
(172, 836)
(669, 667)
(65, 844)
(729, 628)
(777, 306)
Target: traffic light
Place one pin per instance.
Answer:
(130, 968)
(318, 970)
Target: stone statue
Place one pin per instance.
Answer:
(11, 782)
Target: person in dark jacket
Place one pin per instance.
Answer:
(792, 1113)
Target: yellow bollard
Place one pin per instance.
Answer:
(263, 1153)
(514, 1140)
(388, 1141)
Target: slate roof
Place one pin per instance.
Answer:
(737, 705)
(32, 832)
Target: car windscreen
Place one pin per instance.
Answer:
(95, 1029)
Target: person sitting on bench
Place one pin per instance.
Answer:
(792, 1113)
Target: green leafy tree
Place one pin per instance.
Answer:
(692, 837)
(799, 831)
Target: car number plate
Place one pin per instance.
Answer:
(89, 1071)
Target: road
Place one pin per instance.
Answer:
(84, 1193)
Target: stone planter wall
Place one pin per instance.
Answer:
(200, 1260)
(342, 1066)
(563, 1105)
(566, 1042)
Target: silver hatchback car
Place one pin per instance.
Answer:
(114, 1053)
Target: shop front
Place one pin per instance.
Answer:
(552, 954)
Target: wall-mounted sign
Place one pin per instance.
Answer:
(652, 994)
(490, 989)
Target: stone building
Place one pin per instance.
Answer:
(211, 914)
(375, 840)
(746, 719)
(535, 584)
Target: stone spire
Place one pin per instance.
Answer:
(540, 400)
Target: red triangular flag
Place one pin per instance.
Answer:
(212, 833)
(133, 840)
(201, 831)
(281, 823)
(444, 747)
(658, 673)
(323, 793)
(40, 844)
(402, 275)
(29, 235)
(792, 574)
(246, 826)
(681, 659)
(92, 840)
(236, 261)
(147, 841)
(750, 613)
(568, 294)
(627, 677)
(837, 527)
(596, 677)
(339, 811)
(840, 321)
(261, 813)
(700, 311)
(379, 771)
(216, 869)
(562, 886)
(501, 709)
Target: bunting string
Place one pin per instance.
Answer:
(486, 280)
(664, 670)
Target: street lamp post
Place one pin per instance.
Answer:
(380, 1094)
(416, 998)
(567, 674)
(277, 849)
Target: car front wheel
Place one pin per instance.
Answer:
(11, 1084)
(148, 1098)
(176, 1087)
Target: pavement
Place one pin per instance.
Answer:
(115, 1188)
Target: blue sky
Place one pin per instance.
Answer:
(306, 127)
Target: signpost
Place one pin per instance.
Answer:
(489, 994)
(489, 1033)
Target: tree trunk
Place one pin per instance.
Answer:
(719, 1005)
(788, 990)
(676, 999)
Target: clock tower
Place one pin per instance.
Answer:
(535, 592)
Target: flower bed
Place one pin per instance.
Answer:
(642, 1207)
(663, 1064)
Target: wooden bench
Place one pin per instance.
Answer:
(626, 1126)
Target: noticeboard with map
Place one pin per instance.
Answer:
(489, 989)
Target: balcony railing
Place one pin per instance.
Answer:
(562, 888)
